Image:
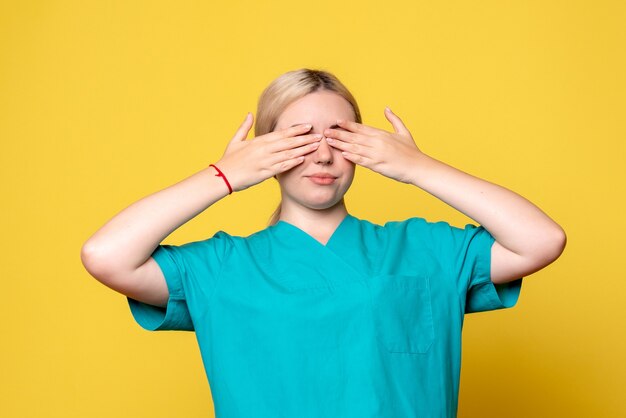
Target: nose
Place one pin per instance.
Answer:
(324, 153)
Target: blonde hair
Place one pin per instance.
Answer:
(288, 88)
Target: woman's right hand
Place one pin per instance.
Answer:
(246, 163)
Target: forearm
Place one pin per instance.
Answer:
(127, 240)
(515, 223)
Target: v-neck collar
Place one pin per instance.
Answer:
(335, 236)
(292, 254)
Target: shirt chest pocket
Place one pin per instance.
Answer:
(401, 306)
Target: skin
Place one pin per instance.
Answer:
(119, 253)
(316, 208)
(526, 238)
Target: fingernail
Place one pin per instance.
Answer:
(329, 140)
(388, 109)
(317, 136)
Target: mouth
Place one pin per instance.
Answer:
(322, 178)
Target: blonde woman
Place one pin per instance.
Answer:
(322, 314)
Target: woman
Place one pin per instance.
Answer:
(322, 314)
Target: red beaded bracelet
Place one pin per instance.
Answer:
(220, 174)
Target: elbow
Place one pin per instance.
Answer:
(559, 242)
(96, 264)
(105, 267)
(89, 257)
(553, 246)
(545, 250)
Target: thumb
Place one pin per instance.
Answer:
(244, 128)
(397, 124)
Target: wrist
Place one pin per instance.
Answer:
(419, 169)
(217, 172)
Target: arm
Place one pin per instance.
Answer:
(119, 253)
(526, 238)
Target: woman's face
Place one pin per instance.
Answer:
(308, 184)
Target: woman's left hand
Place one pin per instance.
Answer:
(393, 155)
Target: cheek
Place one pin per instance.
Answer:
(348, 165)
(352, 170)
(290, 175)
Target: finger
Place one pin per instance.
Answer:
(346, 136)
(358, 159)
(351, 148)
(286, 165)
(287, 132)
(244, 128)
(289, 143)
(396, 122)
(356, 127)
(293, 153)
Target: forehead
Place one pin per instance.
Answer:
(321, 109)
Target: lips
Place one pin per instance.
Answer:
(322, 178)
(323, 175)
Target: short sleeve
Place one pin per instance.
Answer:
(468, 254)
(191, 272)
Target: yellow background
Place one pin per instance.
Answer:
(105, 102)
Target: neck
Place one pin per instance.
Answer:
(319, 223)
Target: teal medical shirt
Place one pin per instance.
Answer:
(368, 325)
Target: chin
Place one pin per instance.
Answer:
(322, 204)
(313, 197)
